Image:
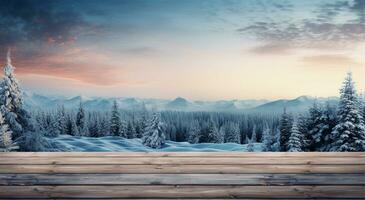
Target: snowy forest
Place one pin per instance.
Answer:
(324, 127)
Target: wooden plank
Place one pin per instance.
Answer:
(182, 179)
(182, 154)
(191, 199)
(184, 160)
(182, 169)
(207, 192)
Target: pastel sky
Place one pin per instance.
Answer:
(198, 49)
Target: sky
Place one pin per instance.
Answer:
(197, 49)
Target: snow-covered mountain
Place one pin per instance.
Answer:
(299, 104)
(33, 100)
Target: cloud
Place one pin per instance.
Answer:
(139, 51)
(83, 65)
(332, 60)
(40, 21)
(43, 36)
(272, 49)
(335, 25)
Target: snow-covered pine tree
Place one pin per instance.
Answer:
(329, 119)
(154, 135)
(85, 131)
(212, 133)
(81, 121)
(194, 133)
(349, 133)
(104, 126)
(55, 128)
(322, 121)
(233, 133)
(267, 139)
(62, 120)
(40, 119)
(6, 141)
(11, 102)
(115, 121)
(276, 145)
(315, 114)
(253, 135)
(285, 129)
(94, 126)
(250, 146)
(141, 125)
(123, 128)
(33, 140)
(221, 134)
(74, 129)
(295, 139)
(131, 131)
(303, 125)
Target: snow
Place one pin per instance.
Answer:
(115, 143)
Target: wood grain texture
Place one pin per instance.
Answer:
(183, 160)
(197, 175)
(182, 154)
(182, 169)
(177, 191)
(182, 179)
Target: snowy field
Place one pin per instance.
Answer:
(111, 143)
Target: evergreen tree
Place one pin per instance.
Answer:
(123, 129)
(349, 133)
(154, 135)
(211, 135)
(221, 134)
(250, 146)
(276, 146)
(74, 129)
(85, 131)
(267, 139)
(11, 102)
(33, 140)
(115, 121)
(329, 119)
(303, 125)
(81, 121)
(233, 133)
(62, 120)
(141, 125)
(94, 126)
(105, 126)
(295, 139)
(55, 129)
(253, 135)
(285, 130)
(322, 121)
(131, 131)
(194, 133)
(6, 142)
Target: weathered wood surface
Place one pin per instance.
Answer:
(222, 175)
(183, 191)
(181, 169)
(183, 160)
(182, 154)
(182, 179)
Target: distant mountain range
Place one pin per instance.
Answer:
(302, 103)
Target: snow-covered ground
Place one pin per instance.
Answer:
(111, 143)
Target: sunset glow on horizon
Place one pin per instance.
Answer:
(200, 50)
